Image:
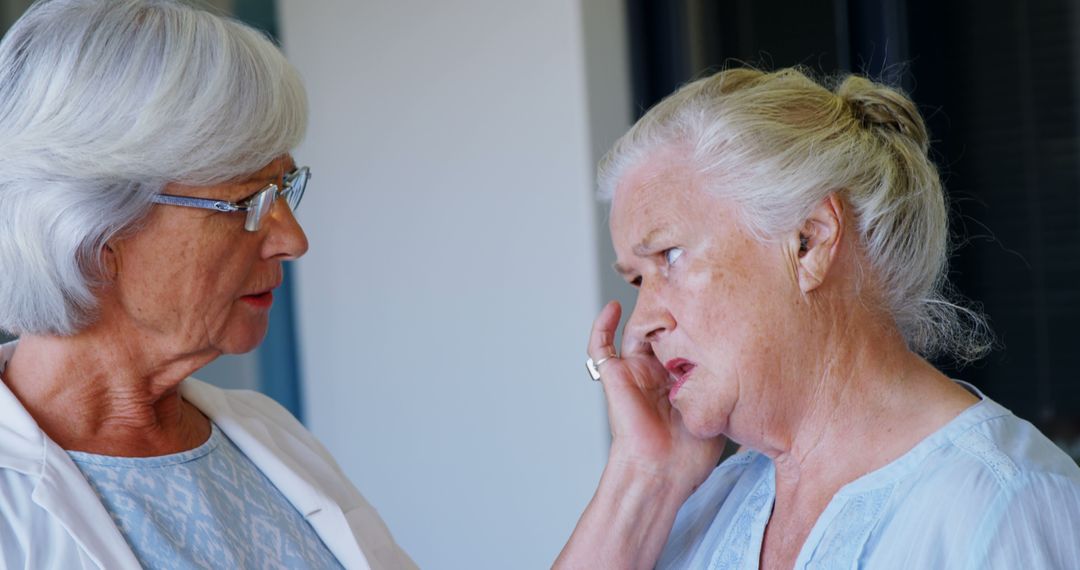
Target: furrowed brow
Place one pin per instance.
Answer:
(647, 246)
(644, 248)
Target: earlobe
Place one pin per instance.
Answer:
(818, 242)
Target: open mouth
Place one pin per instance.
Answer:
(680, 370)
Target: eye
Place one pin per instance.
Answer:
(672, 254)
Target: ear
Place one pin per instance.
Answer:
(110, 260)
(818, 242)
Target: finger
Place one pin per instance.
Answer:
(602, 337)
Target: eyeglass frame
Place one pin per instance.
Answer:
(253, 204)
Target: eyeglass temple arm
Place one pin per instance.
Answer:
(204, 203)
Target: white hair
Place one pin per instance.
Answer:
(778, 143)
(103, 102)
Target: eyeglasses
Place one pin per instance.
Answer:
(257, 205)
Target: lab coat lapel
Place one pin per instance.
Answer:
(66, 495)
(275, 452)
(60, 488)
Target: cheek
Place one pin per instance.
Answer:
(732, 316)
(188, 283)
(723, 305)
(217, 293)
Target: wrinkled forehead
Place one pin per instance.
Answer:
(663, 183)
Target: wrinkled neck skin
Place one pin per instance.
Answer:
(849, 396)
(862, 401)
(108, 391)
(848, 399)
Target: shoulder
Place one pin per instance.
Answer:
(17, 507)
(1010, 447)
(1034, 498)
(997, 494)
(24, 523)
(985, 451)
(22, 457)
(25, 526)
(1000, 456)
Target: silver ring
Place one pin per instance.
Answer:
(594, 367)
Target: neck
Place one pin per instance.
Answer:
(867, 401)
(106, 393)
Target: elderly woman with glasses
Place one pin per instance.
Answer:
(788, 243)
(146, 208)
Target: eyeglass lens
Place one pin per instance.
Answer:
(259, 206)
(294, 185)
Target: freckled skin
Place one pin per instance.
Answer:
(174, 300)
(795, 358)
(195, 304)
(724, 304)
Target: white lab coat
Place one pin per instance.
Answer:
(50, 517)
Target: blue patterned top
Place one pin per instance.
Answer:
(987, 490)
(209, 507)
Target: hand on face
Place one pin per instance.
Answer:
(647, 432)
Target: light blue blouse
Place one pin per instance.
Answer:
(209, 507)
(987, 490)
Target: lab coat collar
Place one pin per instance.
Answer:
(278, 454)
(60, 487)
(63, 492)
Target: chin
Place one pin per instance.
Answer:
(240, 342)
(704, 425)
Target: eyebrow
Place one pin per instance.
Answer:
(642, 249)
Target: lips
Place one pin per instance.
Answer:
(680, 370)
(262, 300)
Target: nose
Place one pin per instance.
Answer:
(651, 319)
(285, 239)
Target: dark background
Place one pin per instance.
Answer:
(997, 83)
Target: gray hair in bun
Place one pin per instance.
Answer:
(778, 143)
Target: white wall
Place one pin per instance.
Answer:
(453, 273)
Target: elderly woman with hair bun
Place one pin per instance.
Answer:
(146, 207)
(788, 242)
